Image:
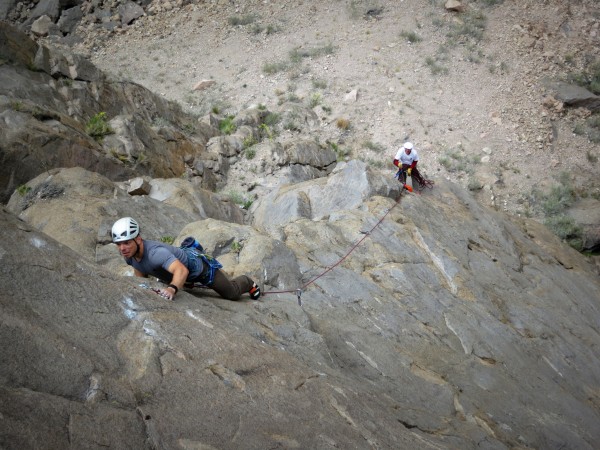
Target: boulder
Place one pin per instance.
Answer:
(348, 186)
(69, 19)
(305, 152)
(586, 214)
(139, 186)
(42, 26)
(454, 5)
(575, 96)
(130, 11)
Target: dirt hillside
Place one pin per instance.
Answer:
(466, 87)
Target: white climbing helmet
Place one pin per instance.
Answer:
(125, 229)
(408, 145)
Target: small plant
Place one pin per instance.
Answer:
(315, 100)
(451, 160)
(319, 84)
(227, 126)
(292, 97)
(239, 199)
(291, 125)
(167, 239)
(272, 119)
(434, 67)
(559, 198)
(266, 131)
(250, 153)
(23, 190)
(236, 246)
(340, 152)
(249, 142)
(553, 204)
(378, 148)
(374, 163)
(98, 126)
(471, 27)
(588, 78)
(591, 157)
(241, 20)
(579, 129)
(593, 128)
(189, 127)
(160, 122)
(16, 105)
(268, 29)
(565, 228)
(474, 185)
(476, 159)
(342, 124)
(272, 68)
(299, 53)
(411, 36)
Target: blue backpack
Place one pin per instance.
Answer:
(193, 249)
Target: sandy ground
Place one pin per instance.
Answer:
(470, 97)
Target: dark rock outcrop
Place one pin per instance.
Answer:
(47, 100)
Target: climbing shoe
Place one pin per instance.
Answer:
(254, 291)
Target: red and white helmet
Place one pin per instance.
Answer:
(408, 145)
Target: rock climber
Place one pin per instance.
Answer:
(176, 266)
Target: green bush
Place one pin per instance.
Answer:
(239, 199)
(588, 78)
(272, 68)
(227, 126)
(98, 126)
(435, 67)
(315, 100)
(411, 36)
(23, 189)
(272, 119)
(299, 53)
(167, 239)
(374, 146)
(472, 26)
(319, 84)
(563, 226)
(249, 142)
(266, 131)
(560, 197)
(241, 20)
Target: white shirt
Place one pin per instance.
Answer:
(407, 159)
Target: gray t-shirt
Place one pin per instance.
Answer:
(157, 258)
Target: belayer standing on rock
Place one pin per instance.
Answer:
(176, 266)
(407, 159)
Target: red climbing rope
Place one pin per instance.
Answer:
(299, 291)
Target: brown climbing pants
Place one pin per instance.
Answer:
(230, 289)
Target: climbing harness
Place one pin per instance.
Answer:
(193, 249)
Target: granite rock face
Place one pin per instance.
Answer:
(446, 325)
